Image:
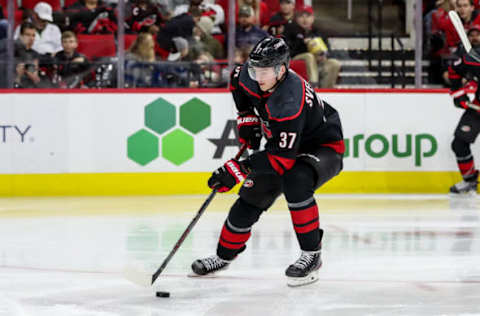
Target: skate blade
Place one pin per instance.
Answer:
(206, 276)
(463, 195)
(309, 279)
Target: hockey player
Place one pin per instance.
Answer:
(304, 149)
(469, 126)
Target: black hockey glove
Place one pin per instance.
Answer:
(227, 176)
(249, 130)
(460, 98)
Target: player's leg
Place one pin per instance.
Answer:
(309, 173)
(257, 194)
(465, 134)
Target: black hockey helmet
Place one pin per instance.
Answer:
(270, 52)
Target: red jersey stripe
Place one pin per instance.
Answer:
(338, 146)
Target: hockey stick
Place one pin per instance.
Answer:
(457, 23)
(144, 279)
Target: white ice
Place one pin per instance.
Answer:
(383, 255)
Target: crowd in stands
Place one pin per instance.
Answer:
(442, 44)
(169, 43)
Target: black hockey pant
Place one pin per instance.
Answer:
(465, 134)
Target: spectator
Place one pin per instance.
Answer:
(139, 69)
(48, 35)
(241, 55)
(285, 15)
(204, 41)
(72, 66)
(260, 11)
(247, 34)
(298, 35)
(145, 16)
(328, 68)
(179, 26)
(27, 73)
(91, 17)
(211, 10)
(24, 44)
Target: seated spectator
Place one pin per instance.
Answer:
(282, 17)
(138, 62)
(204, 41)
(91, 17)
(211, 10)
(145, 16)
(247, 34)
(298, 36)
(261, 13)
(27, 76)
(328, 68)
(240, 55)
(48, 35)
(72, 67)
(24, 44)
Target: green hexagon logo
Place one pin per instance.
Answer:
(160, 115)
(177, 147)
(195, 115)
(142, 147)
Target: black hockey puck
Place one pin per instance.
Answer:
(162, 294)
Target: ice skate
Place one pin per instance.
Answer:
(465, 187)
(209, 266)
(305, 269)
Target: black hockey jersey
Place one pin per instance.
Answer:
(293, 119)
(464, 67)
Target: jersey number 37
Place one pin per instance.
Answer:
(287, 140)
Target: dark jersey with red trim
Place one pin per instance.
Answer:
(464, 67)
(293, 119)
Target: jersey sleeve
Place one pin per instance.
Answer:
(241, 99)
(455, 75)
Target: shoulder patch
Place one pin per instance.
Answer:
(287, 101)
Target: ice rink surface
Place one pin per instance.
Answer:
(383, 255)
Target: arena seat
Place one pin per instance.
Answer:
(96, 46)
(300, 67)
(30, 4)
(3, 3)
(129, 39)
(67, 3)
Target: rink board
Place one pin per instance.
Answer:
(168, 142)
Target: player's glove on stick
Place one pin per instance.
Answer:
(460, 98)
(249, 130)
(226, 177)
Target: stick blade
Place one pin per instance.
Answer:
(137, 276)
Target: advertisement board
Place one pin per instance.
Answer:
(190, 134)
